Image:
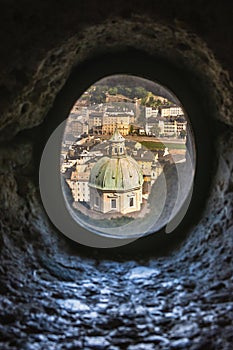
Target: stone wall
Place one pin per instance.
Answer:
(56, 294)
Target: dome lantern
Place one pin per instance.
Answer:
(117, 145)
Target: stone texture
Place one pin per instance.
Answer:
(29, 86)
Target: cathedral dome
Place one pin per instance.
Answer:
(116, 181)
(116, 174)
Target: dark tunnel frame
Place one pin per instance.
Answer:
(184, 84)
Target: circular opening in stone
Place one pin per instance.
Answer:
(127, 158)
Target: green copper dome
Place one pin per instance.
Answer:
(116, 174)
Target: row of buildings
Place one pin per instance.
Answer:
(167, 122)
(104, 123)
(165, 127)
(167, 111)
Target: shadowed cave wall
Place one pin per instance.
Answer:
(55, 294)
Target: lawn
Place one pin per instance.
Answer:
(155, 145)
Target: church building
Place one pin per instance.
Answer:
(116, 180)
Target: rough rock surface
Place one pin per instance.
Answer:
(57, 295)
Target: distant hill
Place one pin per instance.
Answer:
(129, 81)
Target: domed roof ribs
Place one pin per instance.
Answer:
(118, 171)
(121, 177)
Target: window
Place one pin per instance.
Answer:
(112, 188)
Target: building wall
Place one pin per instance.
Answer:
(172, 111)
(80, 190)
(169, 128)
(77, 128)
(104, 200)
(156, 170)
(110, 122)
(78, 184)
(151, 112)
(85, 128)
(106, 125)
(95, 121)
(145, 165)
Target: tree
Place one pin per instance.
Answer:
(98, 95)
(143, 101)
(140, 92)
(120, 89)
(128, 92)
(113, 91)
(183, 134)
(155, 130)
(131, 129)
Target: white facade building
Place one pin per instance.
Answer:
(78, 184)
(151, 112)
(171, 111)
(171, 127)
